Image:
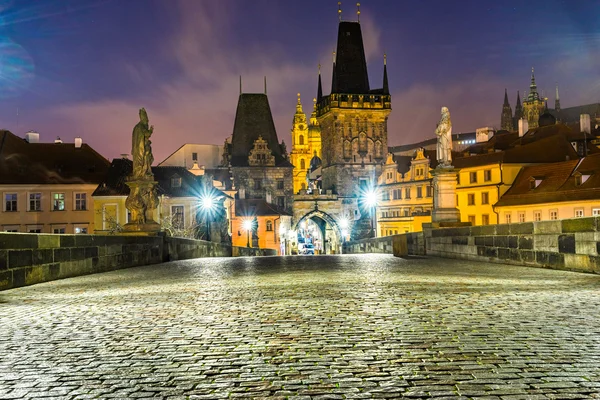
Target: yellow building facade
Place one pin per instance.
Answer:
(406, 199)
(306, 144)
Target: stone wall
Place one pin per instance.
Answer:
(415, 244)
(26, 259)
(570, 244)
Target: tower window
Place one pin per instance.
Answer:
(302, 164)
(301, 139)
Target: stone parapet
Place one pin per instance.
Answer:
(26, 259)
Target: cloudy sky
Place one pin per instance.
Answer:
(84, 67)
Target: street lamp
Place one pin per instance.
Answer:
(344, 223)
(207, 203)
(371, 200)
(247, 225)
(282, 233)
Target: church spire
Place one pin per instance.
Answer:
(333, 78)
(319, 87)
(518, 112)
(533, 94)
(386, 87)
(557, 100)
(506, 119)
(299, 106)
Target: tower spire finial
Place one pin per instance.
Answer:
(386, 87)
(340, 11)
(384, 59)
(557, 100)
(358, 11)
(265, 84)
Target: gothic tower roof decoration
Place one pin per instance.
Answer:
(506, 120)
(253, 119)
(557, 100)
(533, 94)
(350, 68)
(261, 155)
(320, 87)
(386, 86)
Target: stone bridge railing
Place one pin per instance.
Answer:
(26, 258)
(399, 245)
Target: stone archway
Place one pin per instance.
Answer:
(336, 243)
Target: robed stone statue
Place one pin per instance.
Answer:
(444, 140)
(142, 199)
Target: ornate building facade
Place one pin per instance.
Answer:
(533, 105)
(306, 145)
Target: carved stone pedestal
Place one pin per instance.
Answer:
(142, 201)
(444, 195)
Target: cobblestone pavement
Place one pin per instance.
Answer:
(322, 327)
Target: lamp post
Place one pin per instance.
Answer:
(207, 203)
(247, 224)
(371, 199)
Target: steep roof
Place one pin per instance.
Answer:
(48, 163)
(556, 183)
(114, 184)
(572, 114)
(257, 207)
(350, 69)
(253, 118)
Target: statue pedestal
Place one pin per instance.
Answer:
(142, 202)
(444, 195)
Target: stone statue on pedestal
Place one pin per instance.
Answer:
(142, 199)
(443, 132)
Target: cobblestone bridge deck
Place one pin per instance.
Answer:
(323, 327)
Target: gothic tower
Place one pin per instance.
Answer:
(353, 118)
(506, 120)
(518, 112)
(533, 105)
(300, 154)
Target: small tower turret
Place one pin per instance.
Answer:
(506, 119)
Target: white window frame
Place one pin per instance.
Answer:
(10, 228)
(64, 201)
(39, 201)
(596, 212)
(508, 218)
(35, 227)
(59, 227)
(521, 216)
(80, 227)
(75, 200)
(182, 215)
(4, 201)
(579, 211)
(554, 211)
(537, 213)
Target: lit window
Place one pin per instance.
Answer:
(81, 230)
(10, 202)
(553, 214)
(35, 201)
(80, 201)
(596, 212)
(579, 213)
(58, 202)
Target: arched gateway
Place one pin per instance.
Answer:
(330, 232)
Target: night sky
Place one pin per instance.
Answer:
(84, 67)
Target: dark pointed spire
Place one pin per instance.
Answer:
(350, 68)
(333, 78)
(533, 94)
(506, 119)
(518, 100)
(319, 87)
(386, 87)
(557, 100)
(518, 112)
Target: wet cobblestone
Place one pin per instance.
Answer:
(323, 327)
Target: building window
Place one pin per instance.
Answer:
(80, 201)
(521, 216)
(407, 212)
(553, 214)
(579, 213)
(59, 231)
(81, 230)
(10, 228)
(458, 179)
(508, 218)
(473, 177)
(485, 198)
(487, 175)
(34, 230)
(176, 182)
(194, 156)
(471, 199)
(58, 201)
(407, 193)
(177, 217)
(257, 184)
(269, 225)
(537, 215)
(301, 139)
(280, 185)
(419, 192)
(429, 191)
(281, 201)
(485, 219)
(35, 202)
(10, 202)
(472, 219)
(596, 212)
(302, 164)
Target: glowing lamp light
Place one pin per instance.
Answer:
(207, 202)
(247, 224)
(344, 223)
(282, 230)
(371, 198)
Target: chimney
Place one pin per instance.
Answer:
(124, 156)
(78, 142)
(585, 123)
(483, 134)
(58, 140)
(32, 137)
(268, 197)
(523, 127)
